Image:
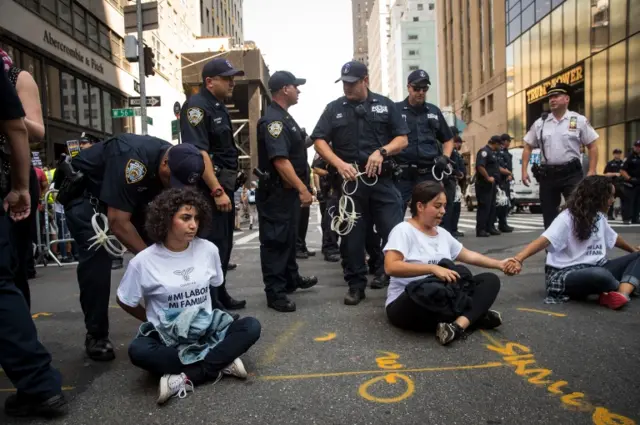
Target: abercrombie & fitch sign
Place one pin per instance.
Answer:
(73, 53)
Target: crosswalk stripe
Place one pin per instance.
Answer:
(517, 226)
(247, 238)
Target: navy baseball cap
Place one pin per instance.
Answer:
(88, 138)
(186, 165)
(219, 67)
(419, 77)
(280, 79)
(617, 151)
(353, 71)
(506, 138)
(560, 88)
(495, 139)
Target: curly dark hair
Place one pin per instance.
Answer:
(588, 200)
(161, 210)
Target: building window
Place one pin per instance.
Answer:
(482, 107)
(69, 104)
(94, 43)
(52, 86)
(105, 43)
(492, 65)
(413, 68)
(84, 118)
(64, 13)
(431, 6)
(599, 25)
(415, 19)
(490, 103)
(79, 24)
(420, 6)
(96, 109)
(201, 12)
(208, 22)
(413, 37)
(48, 10)
(413, 52)
(482, 58)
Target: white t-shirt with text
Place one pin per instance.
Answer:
(170, 281)
(417, 247)
(566, 250)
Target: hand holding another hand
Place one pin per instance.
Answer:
(510, 266)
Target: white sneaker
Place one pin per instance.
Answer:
(236, 369)
(172, 386)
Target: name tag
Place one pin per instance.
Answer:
(434, 116)
(379, 109)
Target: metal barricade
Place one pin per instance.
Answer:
(49, 226)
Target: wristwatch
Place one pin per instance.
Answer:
(217, 192)
(383, 152)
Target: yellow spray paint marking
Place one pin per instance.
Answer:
(548, 313)
(391, 379)
(35, 316)
(272, 353)
(523, 359)
(11, 390)
(327, 337)
(388, 361)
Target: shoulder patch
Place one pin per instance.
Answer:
(195, 115)
(135, 171)
(275, 128)
(484, 154)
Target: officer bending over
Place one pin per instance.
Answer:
(117, 177)
(612, 170)
(283, 156)
(487, 175)
(430, 145)
(365, 130)
(505, 160)
(630, 172)
(559, 136)
(459, 176)
(206, 124)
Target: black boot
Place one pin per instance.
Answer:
(19, 405)
(380, 282)
(99, 349)
(283, 305)
(354, 296)
(227, 302)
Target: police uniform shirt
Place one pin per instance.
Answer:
(428, 131)
(631, 165)
(561, 139)
(205, 123)
(505, 160)
(488, 159)
(613, 166)
(354, 139)
(458, 160)
(279, 136)
(10, 105)
(123, 171)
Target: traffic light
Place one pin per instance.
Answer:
(149, 64)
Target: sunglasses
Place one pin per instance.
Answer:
(420, 88)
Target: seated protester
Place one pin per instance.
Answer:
(419, 258)
(182, 338)
(577, 243)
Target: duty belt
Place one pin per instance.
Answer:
(573, 165)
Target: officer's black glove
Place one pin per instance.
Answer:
(441, 163)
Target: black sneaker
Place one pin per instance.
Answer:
(306, 282)
(380, 282)
(494, 232)
(332, 258)
(482, 234)
(506, 229)
(491, 320)
(283, 305)
(99, 349)
(24, 406)
(354, 296)
(457, 234)
(447, 332)
(301, 255)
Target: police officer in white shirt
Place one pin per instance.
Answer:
(559, 135)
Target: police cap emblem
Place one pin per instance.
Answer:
(195, 115)
(346, 68)
(193, 178)
(275, 128)
(423, 74)
(134, 171)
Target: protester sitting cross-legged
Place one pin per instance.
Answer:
(427, 290)
(182, 338)
(577, 242)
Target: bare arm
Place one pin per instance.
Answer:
(397, 144)
(447, 148)
(18, 136)
(483, 172)
(622, 244)
(532, 249)
(320, 172)
(121, 226)
(477, 259)
(29, 95)
(138, 311)
(504, 171)
(394, 265)
(324, 150)
(625, 175)
(288, 174)
(593, 158)
(209, 175)
(526, 156)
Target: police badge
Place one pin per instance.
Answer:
(135, 171)
(573, 123)
(275, 128)
(195, 115)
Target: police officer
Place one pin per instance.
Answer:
(487, 175)
(559, 136)
(302, 252)
(630, 172)
(327, 198)
(119, 177)
(612, 170)
(505, 162)
(25, 361)
(459, 175)
(205, 123)
(430, 144)
(366, 130)
(283, 156)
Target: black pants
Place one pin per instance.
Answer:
(631, 203)
(406, 314)
(455, 217)
(373, 247)
(503, 211)
(379, 204)
(23, 358)
(94, 268)
(303, 226)
(329, 237)
(486, 213)
(220, 232)
(405, 185)
(278, 215)
(150, 354)
(24, 236)
(552, 188)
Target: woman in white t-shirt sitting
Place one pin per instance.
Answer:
(577, 242)
(170, 276)
(414, 249)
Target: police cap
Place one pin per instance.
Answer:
(280, 79)
(418, 77)
(88, 138)
(353, 71)
(560, 88)
(219, 67)
(506, 138)
(186, 165)
(617, 151)
(495, 139)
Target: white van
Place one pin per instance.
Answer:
(521, 195)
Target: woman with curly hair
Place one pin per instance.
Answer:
(577, 242)
(182, 338)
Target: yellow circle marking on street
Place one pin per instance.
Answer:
(391, 378)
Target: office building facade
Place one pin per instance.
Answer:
(360, 15)
(593, 45)
(220, 18)
(377, 36)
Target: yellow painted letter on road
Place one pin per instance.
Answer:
(602, 416)
(327, 337)
(389, 361)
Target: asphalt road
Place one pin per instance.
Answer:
(329, 363)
